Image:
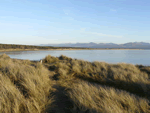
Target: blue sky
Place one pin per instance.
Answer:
(71, 21)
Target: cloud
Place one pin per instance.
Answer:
(67, 12)
(105, 35)
(99, 34)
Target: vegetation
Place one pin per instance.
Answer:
(23, 88)
(13, 46)
(66, 85)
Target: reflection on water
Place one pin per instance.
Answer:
(110, 56)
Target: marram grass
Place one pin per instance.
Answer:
(66, 85)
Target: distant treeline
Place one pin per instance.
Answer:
(13, 46)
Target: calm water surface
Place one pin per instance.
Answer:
(109, 56)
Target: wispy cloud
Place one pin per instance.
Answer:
(105, 35)
(67, 12)
(100, 34)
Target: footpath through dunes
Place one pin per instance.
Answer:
(66, 85)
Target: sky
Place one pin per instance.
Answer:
(35, 22)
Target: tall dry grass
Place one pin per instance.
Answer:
(50, 59)
(94, 98)
(121, 76)
(24, 88)
(62, 84)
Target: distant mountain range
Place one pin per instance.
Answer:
(130, 45)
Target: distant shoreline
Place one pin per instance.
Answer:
(8, 50)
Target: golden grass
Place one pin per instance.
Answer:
(50, 59)
(126, 78)
(62, 57)
(88, 87)
(24, 88)
(121, 76)
(94, 98)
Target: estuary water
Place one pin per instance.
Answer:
(109, 56)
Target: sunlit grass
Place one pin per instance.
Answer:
(91, 87)
(24, 88)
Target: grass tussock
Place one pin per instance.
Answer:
(61, 85)
(145, 69)
(94, 98)
(62, 57)
(24, 88)
(121, 76)
(50, 59)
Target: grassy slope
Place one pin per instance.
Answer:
(65, 85)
